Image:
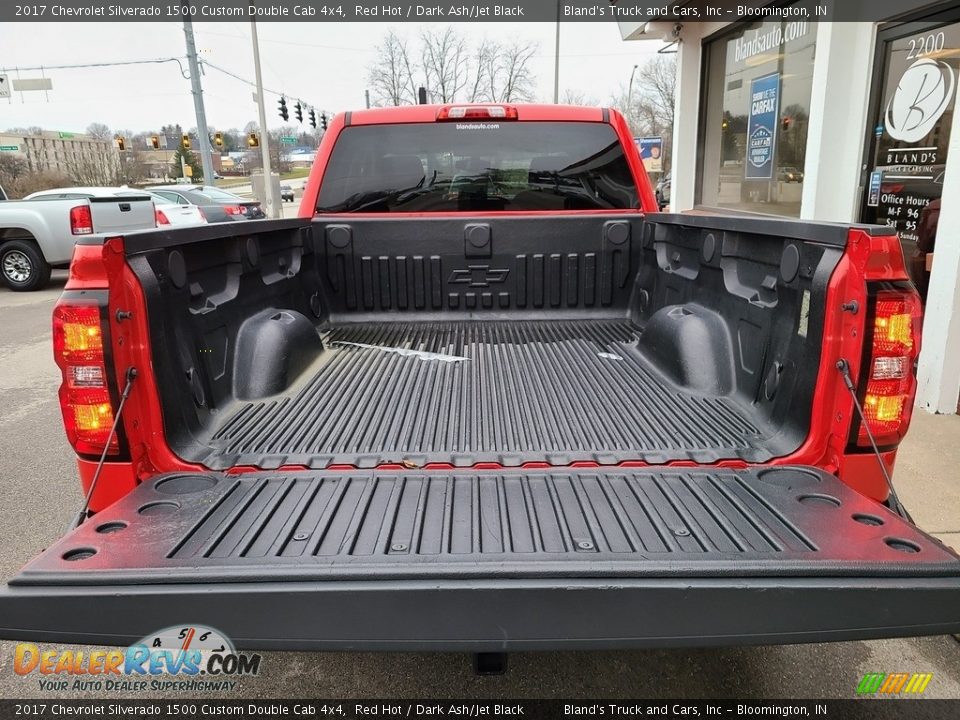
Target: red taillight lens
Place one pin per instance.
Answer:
(478, 112)
(233, 209)
(84, 394)
(891, 384)
(161, 218)
(81, 220)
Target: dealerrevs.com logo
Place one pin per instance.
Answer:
(180, 658)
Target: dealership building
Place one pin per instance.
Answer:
(838, 121)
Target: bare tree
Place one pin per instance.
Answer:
(577, 97)
(480, 59)
(657, 83)
(391, 74)
(444, 58)
(12, 168)
(450, 70)
(95, 167)
(509, 77)
(99, 131)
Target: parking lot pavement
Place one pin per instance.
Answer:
(39, 495)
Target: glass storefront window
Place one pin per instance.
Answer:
(909, 135)
(753, 139)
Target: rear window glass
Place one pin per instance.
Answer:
(215, 194)
(477, 167)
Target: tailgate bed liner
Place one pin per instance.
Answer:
(491, 561)
(627, 523)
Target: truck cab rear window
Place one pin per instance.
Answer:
(477, 167)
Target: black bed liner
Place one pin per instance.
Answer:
(491, 560)
(623, 523)
(555, 391)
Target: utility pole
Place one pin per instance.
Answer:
(630, 91)
(197, 91)
(366, 94)
(270, 196)
(556, 60)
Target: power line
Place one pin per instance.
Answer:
(100, 64)
(242, 79)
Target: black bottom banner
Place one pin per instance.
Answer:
(424, 708)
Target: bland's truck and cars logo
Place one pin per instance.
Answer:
(178, 658)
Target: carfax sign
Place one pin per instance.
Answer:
(762, 127)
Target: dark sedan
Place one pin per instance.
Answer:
(217, 205)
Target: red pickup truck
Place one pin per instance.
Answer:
(481, 395)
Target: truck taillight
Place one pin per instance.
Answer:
(891, 381)
(160, 217)
(478, 112)
(84, 393)
(81, 220)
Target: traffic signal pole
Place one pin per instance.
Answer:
(271, 199)
(202, 136)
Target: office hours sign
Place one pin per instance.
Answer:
(762, 127)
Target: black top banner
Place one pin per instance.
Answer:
(334, 11)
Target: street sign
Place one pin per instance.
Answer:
(32, 84)
(9, 148)
(4, 85)
(65, 135)
(288, 140)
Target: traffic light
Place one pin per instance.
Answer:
(253, 141)
(283, 109)
(298, 111)
(218, 139)
(155, 142)
(185, 141)
(121, 144)
(323, 120)
(786, 123)
(313, 118)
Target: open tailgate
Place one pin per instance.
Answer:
(491, 560)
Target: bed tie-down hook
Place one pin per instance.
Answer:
(844, 367)
(131, 375)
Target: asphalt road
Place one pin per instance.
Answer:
(39, 495)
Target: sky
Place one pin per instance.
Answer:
(323, 64)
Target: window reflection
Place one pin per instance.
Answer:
(754, 138)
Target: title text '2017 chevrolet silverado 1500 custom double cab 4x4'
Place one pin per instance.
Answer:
(480, 395)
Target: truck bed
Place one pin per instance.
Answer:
(600, 339)
(466, 392)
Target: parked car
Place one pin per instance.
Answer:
(789, 174)
(286, 193)
(662, 192)
(217, 205)
(168, 212)
(39, 232)
(432, 415)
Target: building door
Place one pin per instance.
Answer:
(916, 71)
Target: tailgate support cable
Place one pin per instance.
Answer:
(844, 367)
(131, 376)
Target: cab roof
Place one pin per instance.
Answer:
(428, 113)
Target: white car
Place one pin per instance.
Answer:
(169, 212)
